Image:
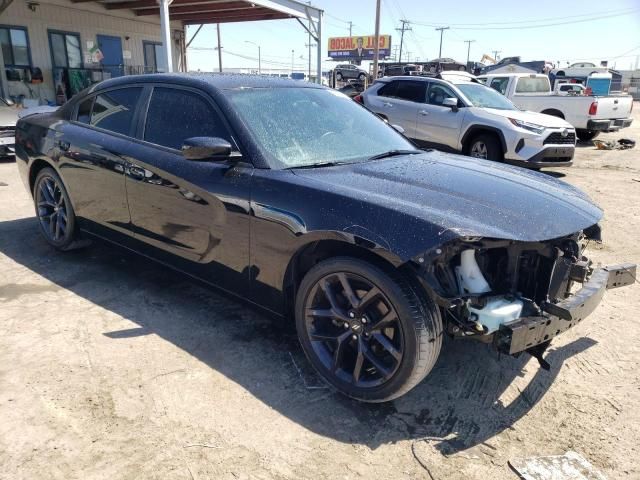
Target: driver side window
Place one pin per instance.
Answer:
(437, 94)
(175, 115)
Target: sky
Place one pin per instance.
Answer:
(552, 30)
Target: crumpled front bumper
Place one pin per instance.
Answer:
(528, 332)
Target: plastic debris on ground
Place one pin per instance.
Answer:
(570, 466)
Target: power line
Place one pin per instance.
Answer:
(511, 22)
(523, 27)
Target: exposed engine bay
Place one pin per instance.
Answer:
(518, 295)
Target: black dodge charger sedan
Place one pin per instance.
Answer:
(300, 201)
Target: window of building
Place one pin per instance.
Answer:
(155, 59)
(191, 116)
(15, 46)
(114, 110)
(65, 49)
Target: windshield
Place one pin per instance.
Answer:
(299, 127)
(485, 97)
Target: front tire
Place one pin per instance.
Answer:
(366, 330)
(485, 146)
(586, 135)
(54, 210)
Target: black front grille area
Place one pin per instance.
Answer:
(7, 132)
(556, 138)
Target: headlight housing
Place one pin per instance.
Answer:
(532, 127)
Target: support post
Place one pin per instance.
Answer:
(376, 47)
(165, 27)
(319, 45)
(219, 49)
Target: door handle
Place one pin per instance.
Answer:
(387, 104)
(424, 113)
(62, 145)
(136, 172)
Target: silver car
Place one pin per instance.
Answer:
(347, 71)
(8, 119)
(464, 116)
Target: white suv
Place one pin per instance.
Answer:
(462, 115)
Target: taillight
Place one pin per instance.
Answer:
(593, 109)
(358, 98)
(632, 102)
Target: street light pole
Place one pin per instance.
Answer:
(292, 53)
(441, 29)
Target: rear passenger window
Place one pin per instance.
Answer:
(175, 115)
(411, 90)
(389, 90)
(114, 110)
(84, 111)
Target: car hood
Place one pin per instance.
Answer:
(542, 119)
(461, 196)
(8, 116)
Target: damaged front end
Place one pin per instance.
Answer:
(517, 295)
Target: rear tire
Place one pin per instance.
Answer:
(361, 77)
(485, 146)
(54, 210)
(586, 135)
(366, 330)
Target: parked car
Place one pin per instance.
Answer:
(464, 116)
(568, 88)
(588, 114)
(8, 118)
(443, 64)
(347, 71)
(400, 69)
(580, 69)
(332, 218)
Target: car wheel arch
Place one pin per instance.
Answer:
(553, 112)
(317, 250)
(36, 167)
(476, 130)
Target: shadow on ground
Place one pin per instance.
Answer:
(458, 400)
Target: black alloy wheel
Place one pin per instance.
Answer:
(354, 329)
(365, 330)
(54, 210)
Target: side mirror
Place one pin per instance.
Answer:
(451, 102)
(398, 128)
(206, 148)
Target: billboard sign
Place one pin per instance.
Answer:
(358, 48)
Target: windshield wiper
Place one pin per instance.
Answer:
(395, 153)
(317, 165)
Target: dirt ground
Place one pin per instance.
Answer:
(114, 368)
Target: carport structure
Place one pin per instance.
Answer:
(199, 12)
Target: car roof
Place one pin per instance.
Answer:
(217, 81)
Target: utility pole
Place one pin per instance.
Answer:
(495, 54)
(376, 39)
(468, 42)
(219, 49)
(441, 30)
(292, 53)
(403, 29)
(259, 55)
(394, 54)
(350, 27)
(310, 45)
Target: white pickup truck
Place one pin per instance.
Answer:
(589, 115)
